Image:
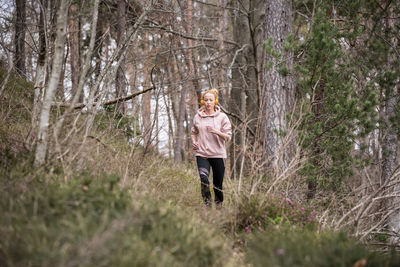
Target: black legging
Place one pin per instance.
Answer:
(218, 169)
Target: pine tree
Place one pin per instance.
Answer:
(334, 113)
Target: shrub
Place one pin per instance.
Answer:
(257, 212)
(90, 221)
(308, 248)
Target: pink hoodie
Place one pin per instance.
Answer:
(211, 145)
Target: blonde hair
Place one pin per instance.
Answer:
(212, 91)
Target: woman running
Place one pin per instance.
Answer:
(211, 130)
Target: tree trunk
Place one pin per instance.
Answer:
(192, 75)
(74, 44)
(168, 105)
(179, 133)
(41, 73)
(99, 44)
(278, 95)
(19, 41)
(82, 78)
(146, 100)
(194, 92)
(146, 118)
(390, 143)
(222, 31)
(120, 82)
(246, 70)
(132, 86)
(61, 29)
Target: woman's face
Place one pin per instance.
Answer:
(209, 101)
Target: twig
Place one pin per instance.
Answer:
(98, 140)
(238, 118)
(156, 26)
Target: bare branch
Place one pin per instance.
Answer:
(238, 118)
(158, 26)
(107, 103)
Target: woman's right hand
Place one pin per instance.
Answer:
(195, 145)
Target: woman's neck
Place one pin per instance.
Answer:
(209, 112)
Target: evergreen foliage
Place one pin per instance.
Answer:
(335, 114)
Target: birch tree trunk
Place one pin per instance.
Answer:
(278, 98)
(41, 149)
(41, 73)
(82, 77)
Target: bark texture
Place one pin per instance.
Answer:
(278, 91)
(390, 146)
(74, 44)
(41, 73)
(41, 149)
(120, 82)
(19, 41)
(246, 71)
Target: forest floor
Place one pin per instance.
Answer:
(112, 204)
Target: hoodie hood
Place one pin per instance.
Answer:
(202, 112)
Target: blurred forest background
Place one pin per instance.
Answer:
(97, 99)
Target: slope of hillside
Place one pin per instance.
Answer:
(115, 206)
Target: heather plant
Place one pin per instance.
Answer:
(299, 247)
(90, 220)
(259, 212)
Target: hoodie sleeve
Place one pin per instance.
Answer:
(195, 130)
(226, 126)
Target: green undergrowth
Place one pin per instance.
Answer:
(91, 221)
(299, 247)
(260, 212)
(15, 113)
(158, 219)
